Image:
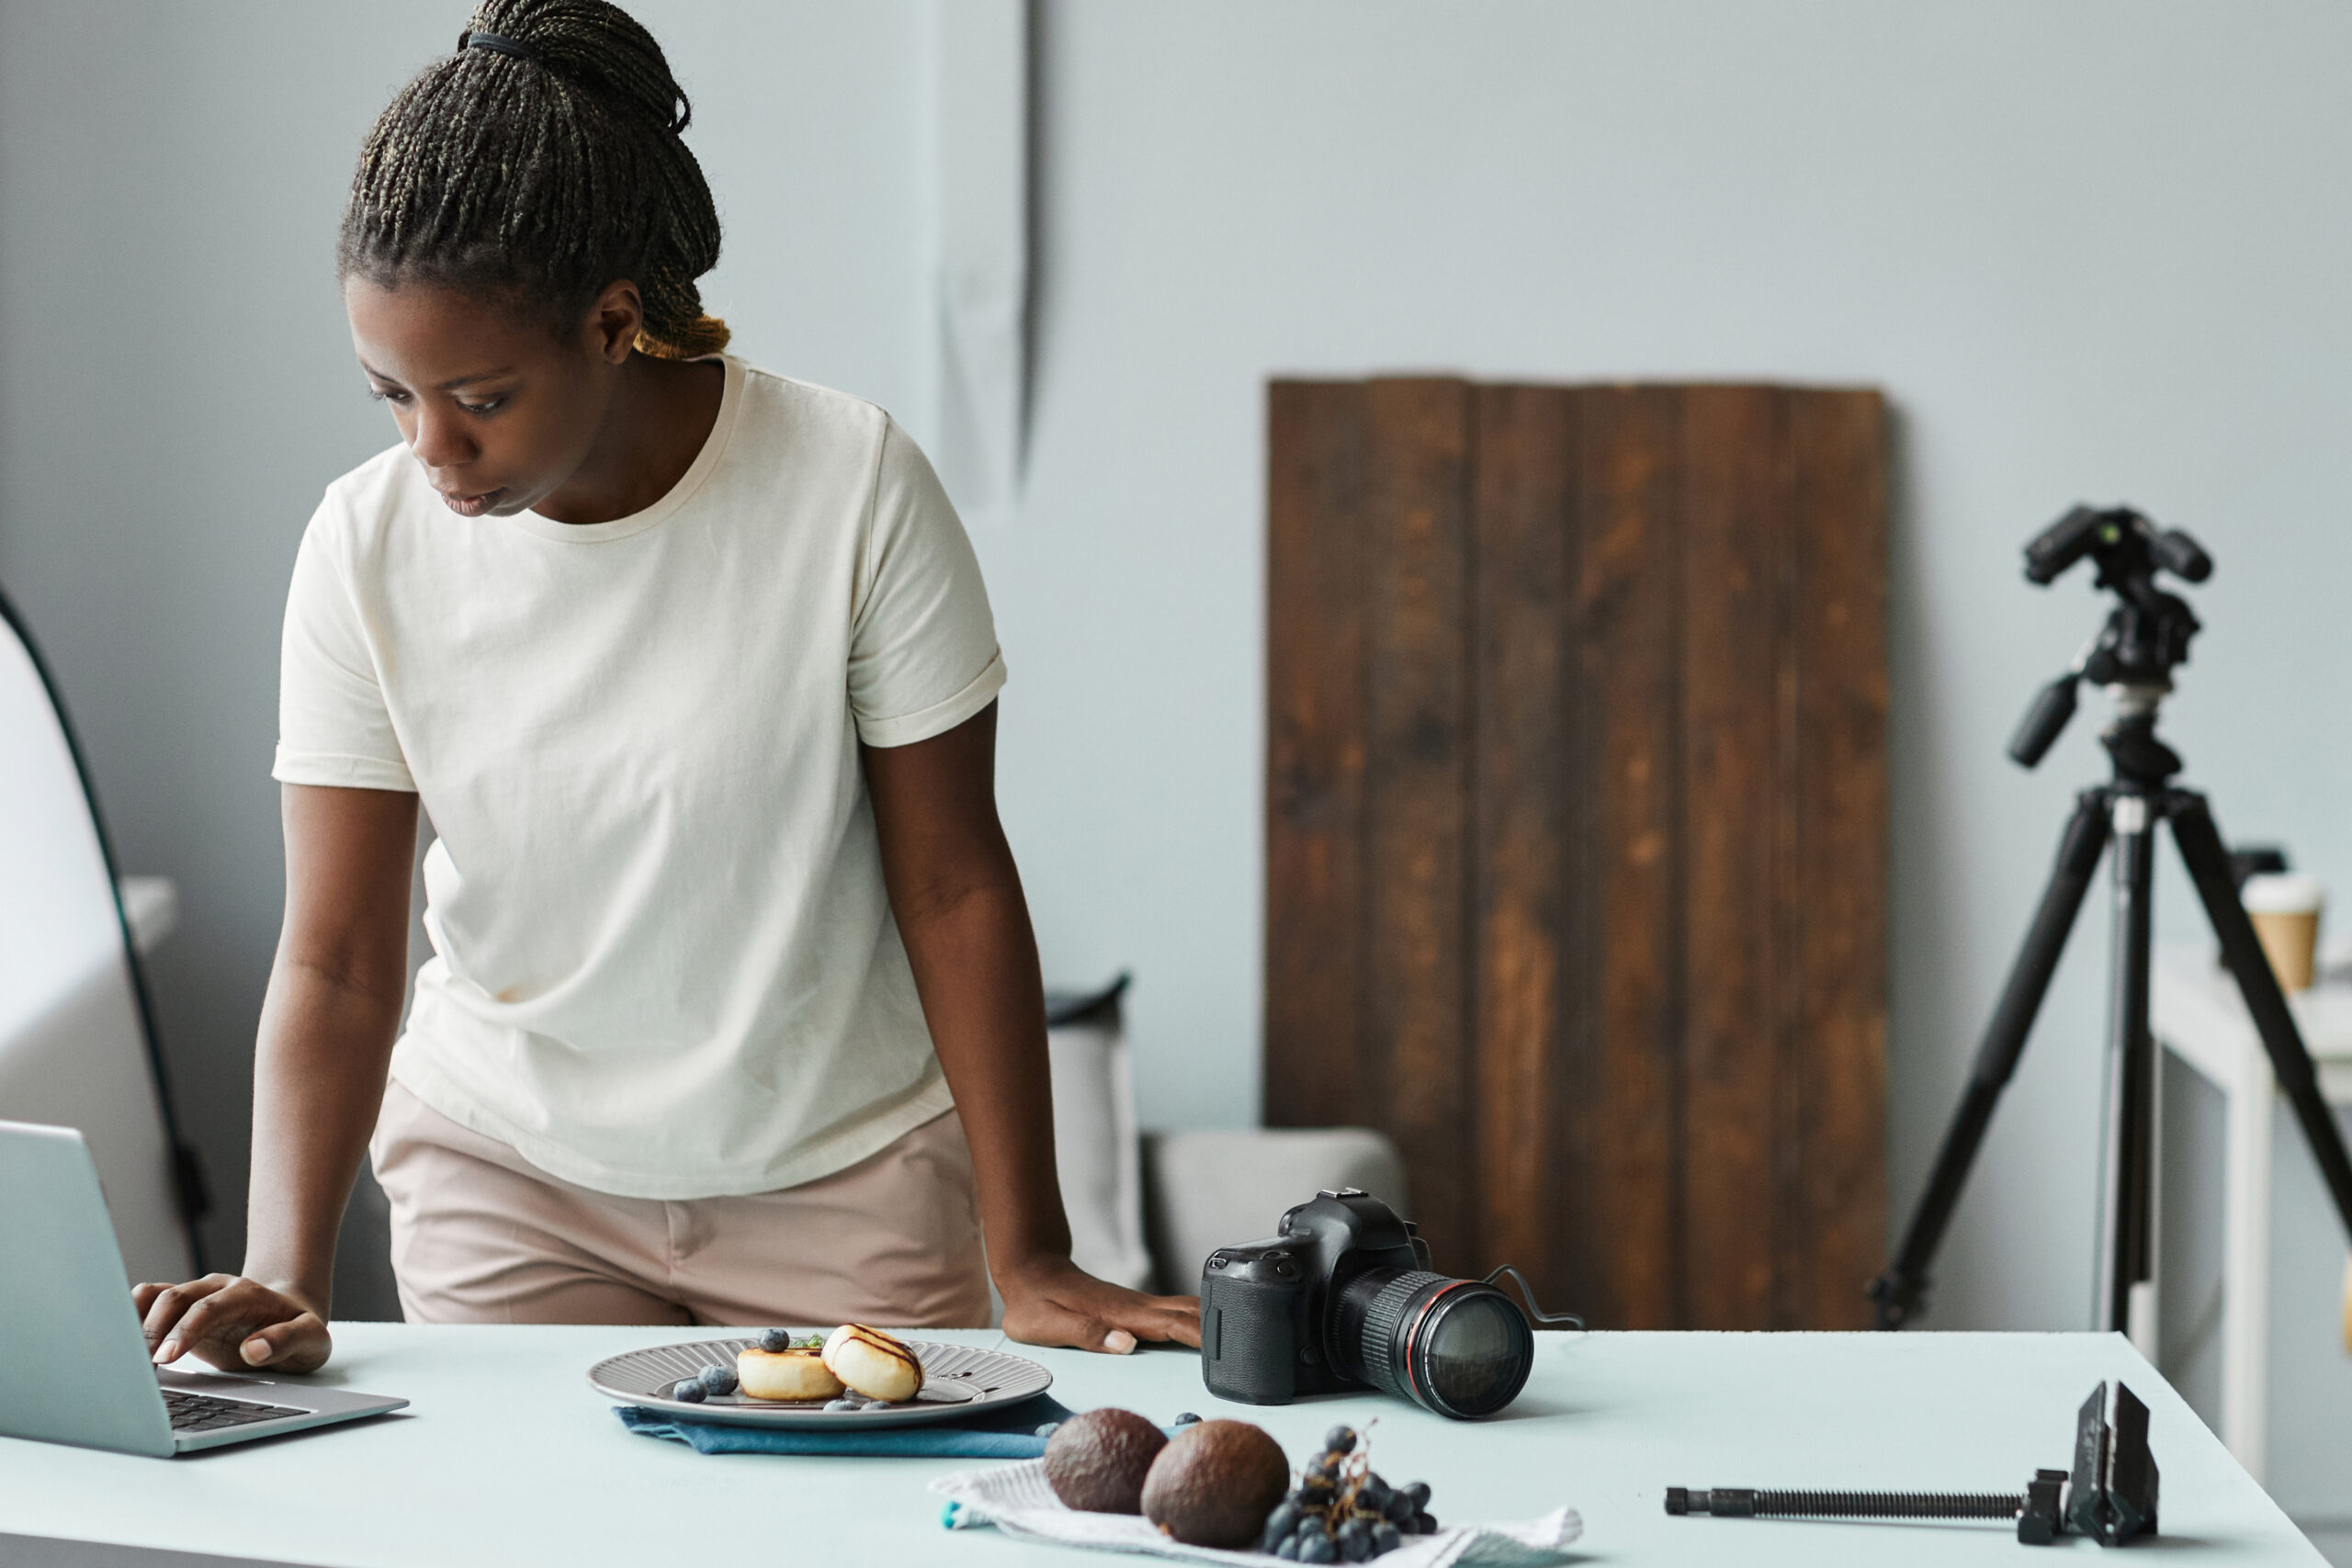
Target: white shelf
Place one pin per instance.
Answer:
(2197, 1015)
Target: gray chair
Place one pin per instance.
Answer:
(1210, 1189)
(1144, 1210)
(77, 1041)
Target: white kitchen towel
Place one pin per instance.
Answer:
(1017, 1500)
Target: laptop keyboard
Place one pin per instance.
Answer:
(210, 1412)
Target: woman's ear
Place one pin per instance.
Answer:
(613, 321)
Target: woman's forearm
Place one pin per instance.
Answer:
(975, 961)
(957, 899)
(326, 1026)
(319, 1071)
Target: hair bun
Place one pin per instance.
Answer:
(537, 170)
(595, 46)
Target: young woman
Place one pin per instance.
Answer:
(734, 1016)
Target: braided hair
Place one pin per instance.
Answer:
(539, 167)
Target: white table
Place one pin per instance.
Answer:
(2197, 1015)
(508, 1457)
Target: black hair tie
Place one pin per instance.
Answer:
(497, 45)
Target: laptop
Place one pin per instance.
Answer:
(73, 1364)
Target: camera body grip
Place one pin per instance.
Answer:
(1253, 1306)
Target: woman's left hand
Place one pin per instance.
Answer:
(1057, 1303)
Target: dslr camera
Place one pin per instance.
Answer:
(1344, 1298)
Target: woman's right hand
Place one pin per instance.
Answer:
(235, 1323)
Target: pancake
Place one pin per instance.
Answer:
(785, 1374)
(874, 1364)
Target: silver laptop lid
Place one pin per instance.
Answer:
(73, 1365)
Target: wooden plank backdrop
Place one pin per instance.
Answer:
(1576, 828)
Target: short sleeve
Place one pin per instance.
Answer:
(333, 726)
(923, 654)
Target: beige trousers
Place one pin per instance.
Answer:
(481, 1236)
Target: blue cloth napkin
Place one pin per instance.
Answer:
(1007, 1433)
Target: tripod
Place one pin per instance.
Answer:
(2145, 635)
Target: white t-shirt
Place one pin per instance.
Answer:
(665, 964)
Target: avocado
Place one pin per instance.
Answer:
(1215, 1484)
(1097, 1461)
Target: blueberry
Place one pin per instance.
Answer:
(1354, 1540)
(688, 1389)
(774, 1339)
(1317, 1547)
(1287, 1550)
(843, 1404)
(1419, 1491)
(1185, 1418)
(1374, 1495)
(1281, 1522)
(718, 1379)
(1425, 1524)
(1400, 1509)
(1384, 1539)
(1341, 1439)
(1327, 1467)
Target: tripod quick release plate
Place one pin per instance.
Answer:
(2114, 534)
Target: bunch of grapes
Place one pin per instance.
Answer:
(1341, 1511)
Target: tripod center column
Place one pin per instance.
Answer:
(2127, 1219)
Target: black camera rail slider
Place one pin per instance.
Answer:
(2110, 1495)
(1753, 1503)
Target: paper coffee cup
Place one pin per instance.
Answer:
(2348, 1306)
(2285, 910)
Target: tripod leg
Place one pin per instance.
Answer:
(2208, 866)
(1897, 1292)
(2127, 1234)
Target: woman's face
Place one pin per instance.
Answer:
(501, 412)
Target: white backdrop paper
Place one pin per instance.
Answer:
(73, 1050)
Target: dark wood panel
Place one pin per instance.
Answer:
(1576, 828)
(1838, 446)
(1318, 581)
(1734, 534)
(1784, 1030)
(1629, 572)
(1417, 1077)
(1535, 1105)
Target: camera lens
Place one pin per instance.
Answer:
(1457, 1346)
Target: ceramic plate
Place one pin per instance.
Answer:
(957, 1381)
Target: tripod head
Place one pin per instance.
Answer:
(2146, 633)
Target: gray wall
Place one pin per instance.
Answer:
(2092, 250)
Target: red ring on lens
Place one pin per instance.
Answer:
(1413, 1340)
